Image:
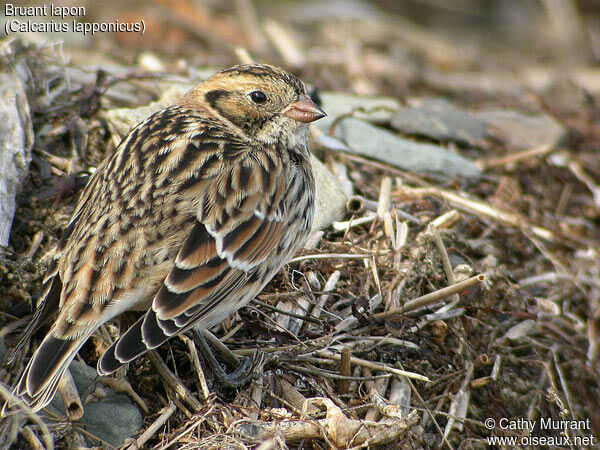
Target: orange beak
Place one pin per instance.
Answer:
(304, 110)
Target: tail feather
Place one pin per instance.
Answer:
(126, 348)
(39, 381)
(133, 343)
(48, 360)
(51, 297)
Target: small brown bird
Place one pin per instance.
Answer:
(197, 209)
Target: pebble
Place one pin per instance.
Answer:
(113, 418)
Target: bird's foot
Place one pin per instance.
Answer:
(244, 367)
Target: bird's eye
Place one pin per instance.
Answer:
(258, 97)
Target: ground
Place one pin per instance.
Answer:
(520, 345)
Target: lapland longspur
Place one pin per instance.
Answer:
(197, 209)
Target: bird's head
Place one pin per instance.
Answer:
(266, 103)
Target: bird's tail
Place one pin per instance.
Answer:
(146, 334)
(39, 381)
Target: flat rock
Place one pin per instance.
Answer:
(330, 199)
(113, 419)
(521, 131)
(375, 109)
(377, 143)
(16, 142)
(440, 120)
(315, 12)
(124, 119)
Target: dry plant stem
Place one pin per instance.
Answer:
(496, 369)
(287, 313)
(429, 414)
(377, 400)
(122, 385)
(437, 239)
(274, 323)
(152, 429)
(329, 286)
(20, 404)
(346, 225)
(279, 296)
(437, 408)
(232, 332)
(460, 403)
(446, 219)
(243, 56)
(478, 207)
(358, 203)
(63, 164)
(32, 439)
(190, 426)
(593, 334)
(563, 200)
(302, 304)
(197, 366)
(322, 373)
(294, 397)
(483, 164)
(35, 245)
(441, 314)
(399, 398)
(256, 396)
(385, 195)
(344, 385)
(338, 430)
(70, 396)
(92, 437)
(532, 410)
(222, 348)
(329, 256)
(482, 360)
(577, 170)
(12, 326)
(295, 430)
(275, 442)
(484, 381)
(173, 381)
(433, 297)
(248, 16)
(554, 260)
(181, 406)
(563, 381)
(372, 365)
(288, 47)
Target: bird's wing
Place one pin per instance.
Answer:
(223, 261)
(136, 214)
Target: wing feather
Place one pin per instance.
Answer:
(236, 231)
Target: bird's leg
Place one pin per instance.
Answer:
(242, 373)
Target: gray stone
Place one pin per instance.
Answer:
(16, 140)
(439, 119)
(375, 109)
(113, 419)
(521, 131)
(337, 10)
(375, 142)
(330, 199)
(124, 119)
